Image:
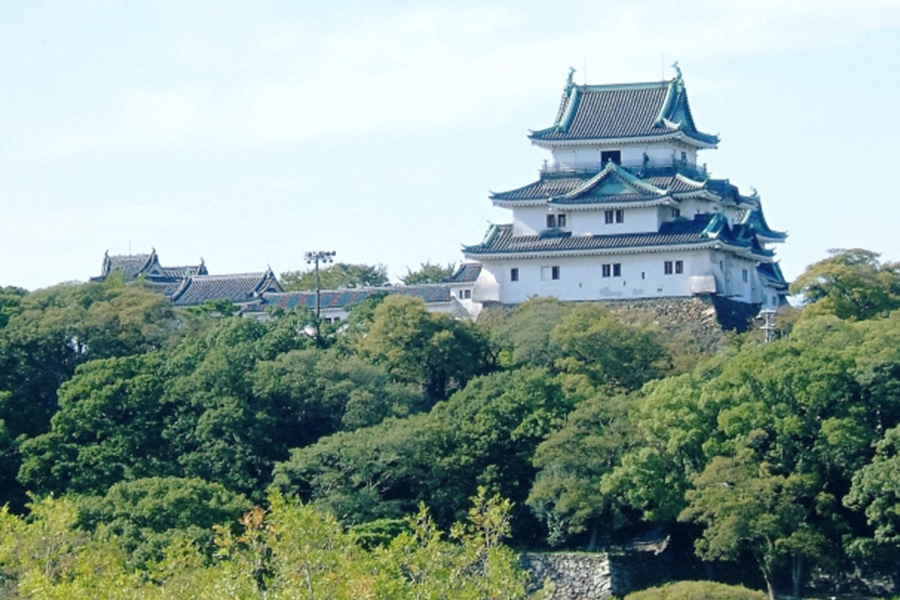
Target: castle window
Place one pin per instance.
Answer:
(611, 155)
(551, 221)
(514, 274)
(468, 294)
(617, 269)
(561, 220)
(679, 267)
(676, 212)
(620, 216)
(549, 273)
(554, 272)
(667, 267)
(745, 275)
(609, 216)
(607, 270)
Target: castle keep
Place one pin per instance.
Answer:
(624, 210)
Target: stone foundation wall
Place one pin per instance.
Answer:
(575, 576)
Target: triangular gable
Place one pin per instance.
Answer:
(612, 181)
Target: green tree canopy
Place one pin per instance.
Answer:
(572, 462)
(592, 341)
(336, 276)
(109, 427)
(851, 284)
(435, 351)
(149, 515)
(428, 273)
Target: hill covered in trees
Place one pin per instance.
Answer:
(136, 440)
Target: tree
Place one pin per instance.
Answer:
(526, 333)
(745, 507)
(10, 303)
(435, 351)
(109, 427)
(149, 515)
(572, 462)
(592, 341)
(428, 273)
(485, 434)
(851, 284)
(59, 328)
(289, 551)
(337, 276)
(876, 491)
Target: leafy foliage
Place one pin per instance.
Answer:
(336, 276)
(850, 284)
(289, 551)
(428, 273)
(147, 516)
(696, 590)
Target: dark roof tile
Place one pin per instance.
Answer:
(623, 111)
(466, 273)
(235, 288)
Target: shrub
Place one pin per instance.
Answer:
(697, 590)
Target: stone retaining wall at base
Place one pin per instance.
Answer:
(575, 576)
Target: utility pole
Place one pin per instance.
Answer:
(316, 257)
(769, 325)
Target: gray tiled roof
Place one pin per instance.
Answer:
(623, 111)
(466, 273)
(342, 299)
(755, 224)
(185, 271)
(235, 288)
(543, 188)
(699, 230)
(547, 188)
(771, 274)
(130, 265)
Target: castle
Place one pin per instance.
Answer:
(624, 211)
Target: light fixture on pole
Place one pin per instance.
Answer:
(315, 257)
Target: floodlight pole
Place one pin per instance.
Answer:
(315, 257)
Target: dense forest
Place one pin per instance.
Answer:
(147, 452)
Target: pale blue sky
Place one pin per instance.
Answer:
(249, 132)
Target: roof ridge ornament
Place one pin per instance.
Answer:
(570, 82)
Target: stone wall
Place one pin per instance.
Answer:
(574, 575)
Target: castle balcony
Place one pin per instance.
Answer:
(649, 168)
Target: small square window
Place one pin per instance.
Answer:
(554, 272)
(560, 220)
(620, 216)
(679, 267)
(667, 267)
(514, 274)
(611, 155)
(676, 212)
(746, 275)
(468, 294)
(617, 270)
(337, 319)
(609, 216)
(551, 221)
(607, 270)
